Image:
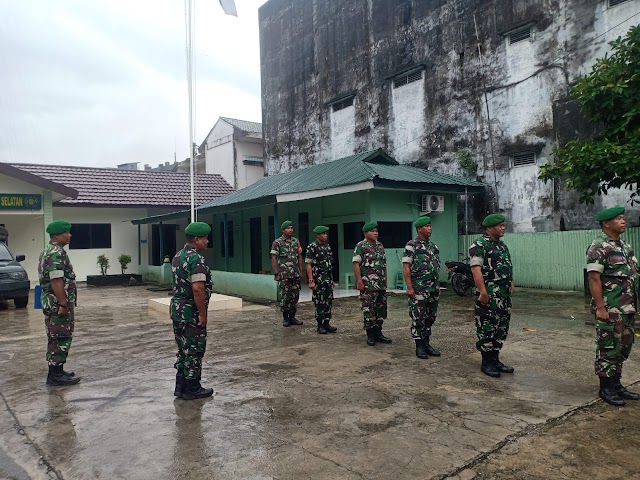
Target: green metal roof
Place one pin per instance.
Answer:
(367, 166)
(375, 166)
(244, 125)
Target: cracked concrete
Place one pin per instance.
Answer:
(290, 403)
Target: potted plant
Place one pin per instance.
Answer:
(124, 260)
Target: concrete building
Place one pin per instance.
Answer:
(346, 76)
(99, 203)
(234, 149)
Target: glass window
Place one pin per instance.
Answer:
(90, 235)
(352, 234)
(394, 234)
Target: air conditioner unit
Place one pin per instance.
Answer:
(432, 203)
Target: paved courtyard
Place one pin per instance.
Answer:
(290, 404)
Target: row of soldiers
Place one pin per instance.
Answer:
(613, 280)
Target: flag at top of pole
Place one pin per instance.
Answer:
(229, 7)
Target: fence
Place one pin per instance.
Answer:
(550, 260)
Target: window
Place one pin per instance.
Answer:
(519, 35)
(394, 234)
(272, 231)
(249, 160)
(342, 104)
(523, 158)
(407, 78)
(230, 234)
(210, 237)
(90, 235)
(613, 3)
(352, 234)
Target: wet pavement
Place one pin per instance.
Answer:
(289, 403)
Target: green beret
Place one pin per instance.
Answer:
(321, 229)
(493, 220)
(198, 229)
(369, 226)
(285, 224)
(422, 221)
(609, 213)
(58, 227)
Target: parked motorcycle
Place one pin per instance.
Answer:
(460, 277)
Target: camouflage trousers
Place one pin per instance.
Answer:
(374, 307)
(59, 335)
(492, 322)
(322, 297)
(289, 290)
(614, 340)
(192, 343)
(422, 311)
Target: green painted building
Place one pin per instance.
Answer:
(343, 195)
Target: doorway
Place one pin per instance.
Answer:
(168, 242)
(333, 243)
(255, 243)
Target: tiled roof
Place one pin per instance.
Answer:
(374, 166)
(244, 125)
(114, 187)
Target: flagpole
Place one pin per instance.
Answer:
(189, 27)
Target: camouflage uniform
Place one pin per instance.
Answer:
(287, 252)
(492, 320)
(54, 263)
(319, 256)
(618, 265)
(189, 266)
(423, 257)
(373, 267)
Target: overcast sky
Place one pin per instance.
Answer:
(103, 82)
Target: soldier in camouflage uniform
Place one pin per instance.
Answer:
(492, 271)
(286, 262)
(370, 268)
(59, 293)
(192, 287)
(613, 282)
(421, 270)
(320, 274)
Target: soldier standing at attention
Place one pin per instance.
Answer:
(286, 262)
(613, 282)
(492, 271)
(192, 287)
(59, 293)
(421, 270)
(370, 268)
(320, 274)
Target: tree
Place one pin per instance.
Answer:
(609, 96)
(103, 263)
(124, 261)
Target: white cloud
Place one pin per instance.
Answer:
(103, 82)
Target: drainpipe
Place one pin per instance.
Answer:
(139, 248)
(225, 229)
(466, 216)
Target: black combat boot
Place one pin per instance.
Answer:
(293, 320)
(286, 322)
(623, 392)
(501, 367)
(321, 328)
(179, 383)
(608, 392)
(380, 338)
(329, 328)
(420, 351)
(57, 378)
(371, 337)
(488, 367)
(193, 390)
(432, 352)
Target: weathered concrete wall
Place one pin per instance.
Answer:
(315, 51)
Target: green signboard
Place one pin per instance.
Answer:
(20, 201)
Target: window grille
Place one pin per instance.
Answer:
(342, 104)
(524, 158)
(407, 78)
(519, 35)
(613, 3)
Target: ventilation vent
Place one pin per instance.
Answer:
(520, 35)
(342, 104)
(521, 159)
(407, 78)
(613, 3)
